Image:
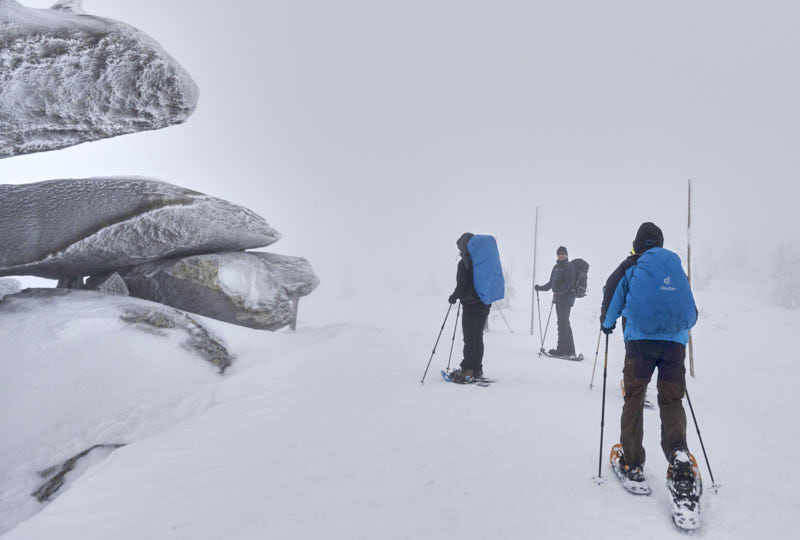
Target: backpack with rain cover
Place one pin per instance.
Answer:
(581, 277)
(487, 272)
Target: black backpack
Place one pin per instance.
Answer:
(581, 277)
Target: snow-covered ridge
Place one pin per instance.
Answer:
(67, 77)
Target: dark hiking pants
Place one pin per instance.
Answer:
(566, 345)
(472, 323)
(641, 359)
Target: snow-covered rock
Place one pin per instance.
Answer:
(257, 290)
(147, 316)
(9, 286)
(64, 228)
(81, 368)
(67, 78)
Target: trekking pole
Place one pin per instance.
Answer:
(539, 310)
(600, 333)
(546, 326)
(714, 485)
(455, 329)
(599, 478)
(435, 344)
(504, 320)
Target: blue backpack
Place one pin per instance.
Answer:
(659, 303)
(487, 272)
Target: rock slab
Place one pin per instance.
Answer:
(80, 227)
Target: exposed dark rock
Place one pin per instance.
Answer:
(55, 476)
(257, 290)
(108, 283)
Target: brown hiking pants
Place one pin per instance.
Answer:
(641, 359)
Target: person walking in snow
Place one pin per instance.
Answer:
(562, 281)
(475, 314)
(651, 292)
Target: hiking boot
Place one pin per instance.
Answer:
(462, 375)
(634, 474)
(632, 478)
(681, 475)
(554, 352)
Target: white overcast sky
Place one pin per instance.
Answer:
(371, 134)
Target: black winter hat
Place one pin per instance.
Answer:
(648, 236)
(561, 250)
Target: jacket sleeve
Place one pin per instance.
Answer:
(462, 280)
(614, 293)
(549, 284)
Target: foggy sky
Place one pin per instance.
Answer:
(372, 134)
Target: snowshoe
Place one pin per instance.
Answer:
(456, 376)
(685, 487)
(633, 478)
(552, 353)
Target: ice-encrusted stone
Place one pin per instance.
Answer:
(63, 228)
(67, 78)
(257, 290)
(146, 316)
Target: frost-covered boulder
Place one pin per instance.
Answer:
(257, 290)
(67, 78)
(64, 228)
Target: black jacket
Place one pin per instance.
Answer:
(465, 286)
(562, 281)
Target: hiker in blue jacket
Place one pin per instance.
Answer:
(651, 292)
(474, 315)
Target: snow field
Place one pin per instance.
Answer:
(327, 433)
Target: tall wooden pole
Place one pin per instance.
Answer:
(533, 286)
(689, 270)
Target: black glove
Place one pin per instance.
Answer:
(537, 288)
(452, 299)
(608, 331)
